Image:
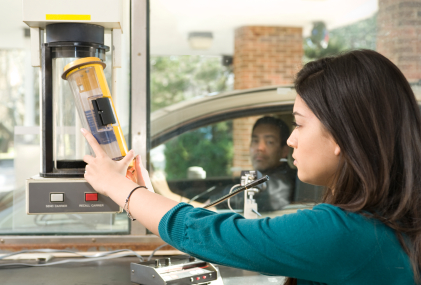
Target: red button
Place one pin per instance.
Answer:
(91, 196)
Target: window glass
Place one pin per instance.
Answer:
(20, 132)
(201, 165)
(200, 140)
(177, 78)
(199, 50)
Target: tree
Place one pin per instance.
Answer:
(361, 34)
(12, 95)
(178, 78)
(209, 147)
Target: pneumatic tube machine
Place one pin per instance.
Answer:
(60, 186)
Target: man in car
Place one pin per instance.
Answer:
(268, 154)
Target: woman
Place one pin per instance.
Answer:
(358, 134)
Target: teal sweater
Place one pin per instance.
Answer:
(325, 245)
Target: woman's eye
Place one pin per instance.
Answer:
(295, 125)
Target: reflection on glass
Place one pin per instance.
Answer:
(261, 147)
(69, 144)
(209, 148)
(13, 217)
(19, 135)
(211, 156)
(178, 78)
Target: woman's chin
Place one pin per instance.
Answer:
(306, 179)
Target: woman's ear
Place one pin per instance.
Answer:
(337, 150)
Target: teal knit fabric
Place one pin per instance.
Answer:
(325, 245)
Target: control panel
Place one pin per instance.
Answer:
(175, 270)
(65, 195)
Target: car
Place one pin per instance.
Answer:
(170, 124)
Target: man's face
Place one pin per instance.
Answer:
(265, 147)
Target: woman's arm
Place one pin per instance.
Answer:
(109, 178)
(326, 244)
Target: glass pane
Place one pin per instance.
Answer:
(20, 133)
(202, 165)
(260, 48)
(177, 78)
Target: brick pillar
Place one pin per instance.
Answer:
(241, 132)
(399, 35)
(263, 56)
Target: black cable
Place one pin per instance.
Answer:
(201, 194)
(241, 189)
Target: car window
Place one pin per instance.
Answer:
(203, 164)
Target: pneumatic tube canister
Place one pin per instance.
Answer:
(95, 106)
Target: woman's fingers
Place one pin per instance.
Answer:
(139, 163)
(142, 174)
(130, 169)
(88, 159)
(128, 158)
(93, 143)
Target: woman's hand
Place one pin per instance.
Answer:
(102, 172)
(142, 174)
(108, 177)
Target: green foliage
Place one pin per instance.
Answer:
(177, 78)
(335, 46)
(361, 34)
(209, 147)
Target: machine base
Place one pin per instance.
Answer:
(65, 195)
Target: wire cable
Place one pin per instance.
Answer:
(155, 250)
(229, 199)
(191, 200)
(86, 257)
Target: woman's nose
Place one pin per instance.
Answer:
(291, 141)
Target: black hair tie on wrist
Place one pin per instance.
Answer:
(126, 204)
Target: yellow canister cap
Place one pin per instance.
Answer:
(79, 63)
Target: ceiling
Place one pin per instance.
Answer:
(172, 20)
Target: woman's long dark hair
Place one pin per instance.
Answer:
(367, 105)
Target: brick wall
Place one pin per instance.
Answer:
(399, 35)
(241, 132)
(263, 56)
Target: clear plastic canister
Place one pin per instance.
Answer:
(94, 104)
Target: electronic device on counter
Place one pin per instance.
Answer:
(174, 270)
